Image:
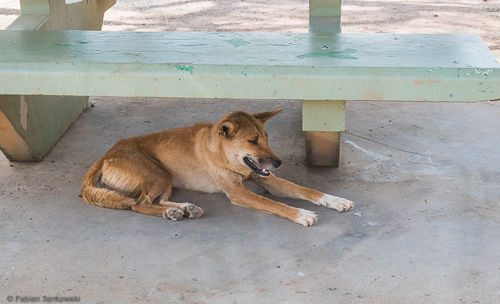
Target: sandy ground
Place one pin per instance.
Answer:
(480, 17)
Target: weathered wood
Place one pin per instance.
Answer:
(249, 65)
(31, 125)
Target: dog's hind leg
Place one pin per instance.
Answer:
(192, 211)
(139, 176)
(155, 187)
(159, 187)
(174, 214)
(93, 192)
(161, 192)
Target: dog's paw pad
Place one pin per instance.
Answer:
(193, 211)
(307, 218)
(337, 203)
(173, 214)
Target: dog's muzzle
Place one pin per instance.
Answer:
(258, 168)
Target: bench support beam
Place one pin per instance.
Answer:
(32, 125)
(322, 121)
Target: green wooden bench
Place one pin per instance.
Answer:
(323, 68)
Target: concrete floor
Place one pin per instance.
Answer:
(425, 177)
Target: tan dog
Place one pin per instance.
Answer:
(138, 173)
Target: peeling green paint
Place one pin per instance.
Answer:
(237, 42)
(197, 44)
(279, 44)
(84, 42)
(188, 68)
(244, 74)
(344, 54)
(63, 44)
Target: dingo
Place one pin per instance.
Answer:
(138, 173)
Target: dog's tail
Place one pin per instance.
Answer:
(103, 197)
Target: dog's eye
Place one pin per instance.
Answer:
(254, 141)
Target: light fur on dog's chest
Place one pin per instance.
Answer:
(195, 180)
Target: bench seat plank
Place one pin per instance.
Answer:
(406, 67)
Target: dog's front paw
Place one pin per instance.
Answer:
(306, 217)
(337, 203)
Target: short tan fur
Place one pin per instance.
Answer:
(138, 173)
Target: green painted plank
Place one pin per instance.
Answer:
(249, 65)
(262, 49)
(323, 115)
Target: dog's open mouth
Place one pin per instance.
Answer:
(255, 167)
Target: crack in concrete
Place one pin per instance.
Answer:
(492, 104)
(386, 145)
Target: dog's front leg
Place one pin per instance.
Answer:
(240, 196)
(281, 187)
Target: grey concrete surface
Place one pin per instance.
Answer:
(425, 177)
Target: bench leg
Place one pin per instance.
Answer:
(324, 16)
(322, 121)
(323, 149)
(31, 125)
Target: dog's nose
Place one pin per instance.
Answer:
(276, 163)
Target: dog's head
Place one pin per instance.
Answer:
(244, 143)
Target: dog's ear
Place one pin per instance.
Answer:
(228, 128)
(265, 116)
